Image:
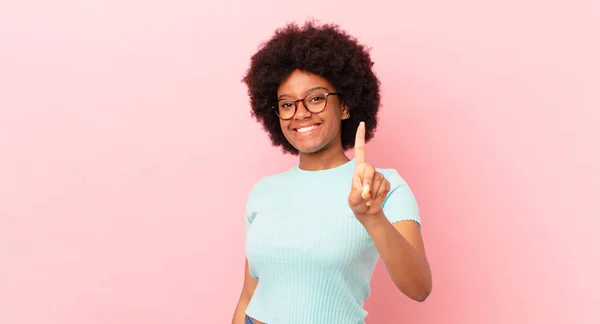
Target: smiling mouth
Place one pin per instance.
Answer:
(306, 129)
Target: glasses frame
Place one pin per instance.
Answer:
(327, 94)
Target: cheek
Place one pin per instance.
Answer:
(334, 121)
(334, 114)
(284, 125)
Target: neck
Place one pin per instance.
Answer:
(322, 160)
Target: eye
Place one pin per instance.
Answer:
(285, 105)
(316, 99)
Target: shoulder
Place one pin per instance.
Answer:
(399, 187)
(393, 176)
(268, 184)
(400, 203)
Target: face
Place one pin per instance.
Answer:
(307, 131)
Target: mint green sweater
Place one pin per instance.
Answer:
(312, 258)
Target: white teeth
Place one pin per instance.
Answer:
(306, 129)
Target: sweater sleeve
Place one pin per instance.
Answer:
(400, 204)
(251, 204)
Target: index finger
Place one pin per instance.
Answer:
(359, 145)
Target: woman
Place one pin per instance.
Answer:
(315, 232)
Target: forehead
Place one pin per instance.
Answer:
(298, 83)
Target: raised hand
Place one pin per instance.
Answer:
(369, 187)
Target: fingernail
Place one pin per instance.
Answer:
(369, 202)
(365, 192)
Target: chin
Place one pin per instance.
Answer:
(304, 149)
(308, 152)
(311, 148)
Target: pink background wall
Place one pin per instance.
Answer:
(124, 123)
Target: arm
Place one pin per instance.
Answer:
(239, 315)
(400, 245)
(402, 251)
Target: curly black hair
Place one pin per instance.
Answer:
(325, 50)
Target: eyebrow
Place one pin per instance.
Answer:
(307, 92)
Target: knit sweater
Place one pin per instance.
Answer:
(312, 258)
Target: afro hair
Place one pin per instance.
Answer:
(327, 51)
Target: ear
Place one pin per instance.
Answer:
(345, 112)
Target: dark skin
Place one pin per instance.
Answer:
(322, 148)
(400, 245)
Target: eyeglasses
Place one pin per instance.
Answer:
(315, 102)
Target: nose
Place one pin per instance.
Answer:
(301, 111)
